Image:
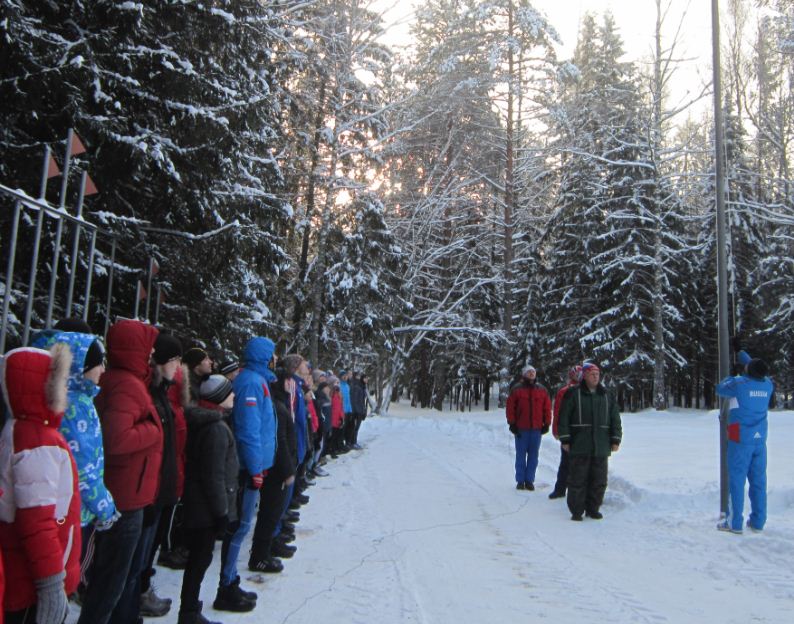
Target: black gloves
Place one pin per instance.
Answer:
(513, 429)
(544, 430)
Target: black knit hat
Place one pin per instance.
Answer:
(73, 325)
(94, 356)
(228, 366)
(193, 357)
(215, 389)
(757, 368)
(166, 347)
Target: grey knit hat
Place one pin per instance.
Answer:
(215, 389)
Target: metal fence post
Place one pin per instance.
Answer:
(110, 286)
(89, 276)
(12, 252)
(75, 247)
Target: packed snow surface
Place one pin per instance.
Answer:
(425, 525)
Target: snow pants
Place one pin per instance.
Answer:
(587, 482)
(562, 473)
(527, 449)
(747, 462)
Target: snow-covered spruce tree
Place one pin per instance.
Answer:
(364, 290)
(343, 142)
(178, 104)
(604, 244)
(439, 199)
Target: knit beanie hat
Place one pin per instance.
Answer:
(215, 389)
(193, 357)
(94, 356)
(166, 348)
(527, 369)
(588, 366)
(757, 368)
(228, 366)
(575, 374)
(71, 324)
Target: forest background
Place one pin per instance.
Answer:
(436, 214)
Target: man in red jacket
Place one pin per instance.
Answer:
(133, 440)
(40, 504)
(574, 379)
(528, 417)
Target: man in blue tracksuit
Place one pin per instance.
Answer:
(254, 425)
(751, 395)
(344, 389)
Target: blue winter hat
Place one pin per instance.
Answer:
(743, 358)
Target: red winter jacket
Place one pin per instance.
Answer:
(337, 410)
(178, 397)
(529, 406)
(40, 505)
(131, 428)
(315, 422)
(558, 404)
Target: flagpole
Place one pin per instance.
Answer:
(722, 264)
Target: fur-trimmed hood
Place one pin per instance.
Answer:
(34, 383)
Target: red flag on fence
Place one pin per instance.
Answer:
(142, 294)
(90, 187)
(77, 145)
(155, 267)
(52, 168)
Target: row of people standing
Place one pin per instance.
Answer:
(145, 434)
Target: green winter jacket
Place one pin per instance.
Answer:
(590, 421)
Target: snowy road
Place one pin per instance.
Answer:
(425, 526)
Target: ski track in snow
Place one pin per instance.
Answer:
(424, 526)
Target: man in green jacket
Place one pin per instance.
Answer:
(590, 431)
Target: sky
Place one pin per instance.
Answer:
(425, 526)
(636, 20)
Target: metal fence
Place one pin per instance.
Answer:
(54, 222)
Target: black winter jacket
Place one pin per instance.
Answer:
(286, 460)
(358, 397)
(211, 470)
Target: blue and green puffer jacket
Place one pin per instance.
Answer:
(81, 428)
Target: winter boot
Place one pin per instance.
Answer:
(595, 515)
(520, 485)
(280, 549)
(528, 485)
(271, 565)
(152, 605)
(248, 595)
(194, 617)
(230, 598)
(176, 558)
(556, 494)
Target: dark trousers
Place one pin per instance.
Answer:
(200, 543)
(158, 535)
(562, 472)
(337, 439)
(350, 429)
(587, 482)
(271, 506)
(112, 572)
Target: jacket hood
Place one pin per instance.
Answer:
(78, 344)
(257, 355)
(130, 345)
(34, 383)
